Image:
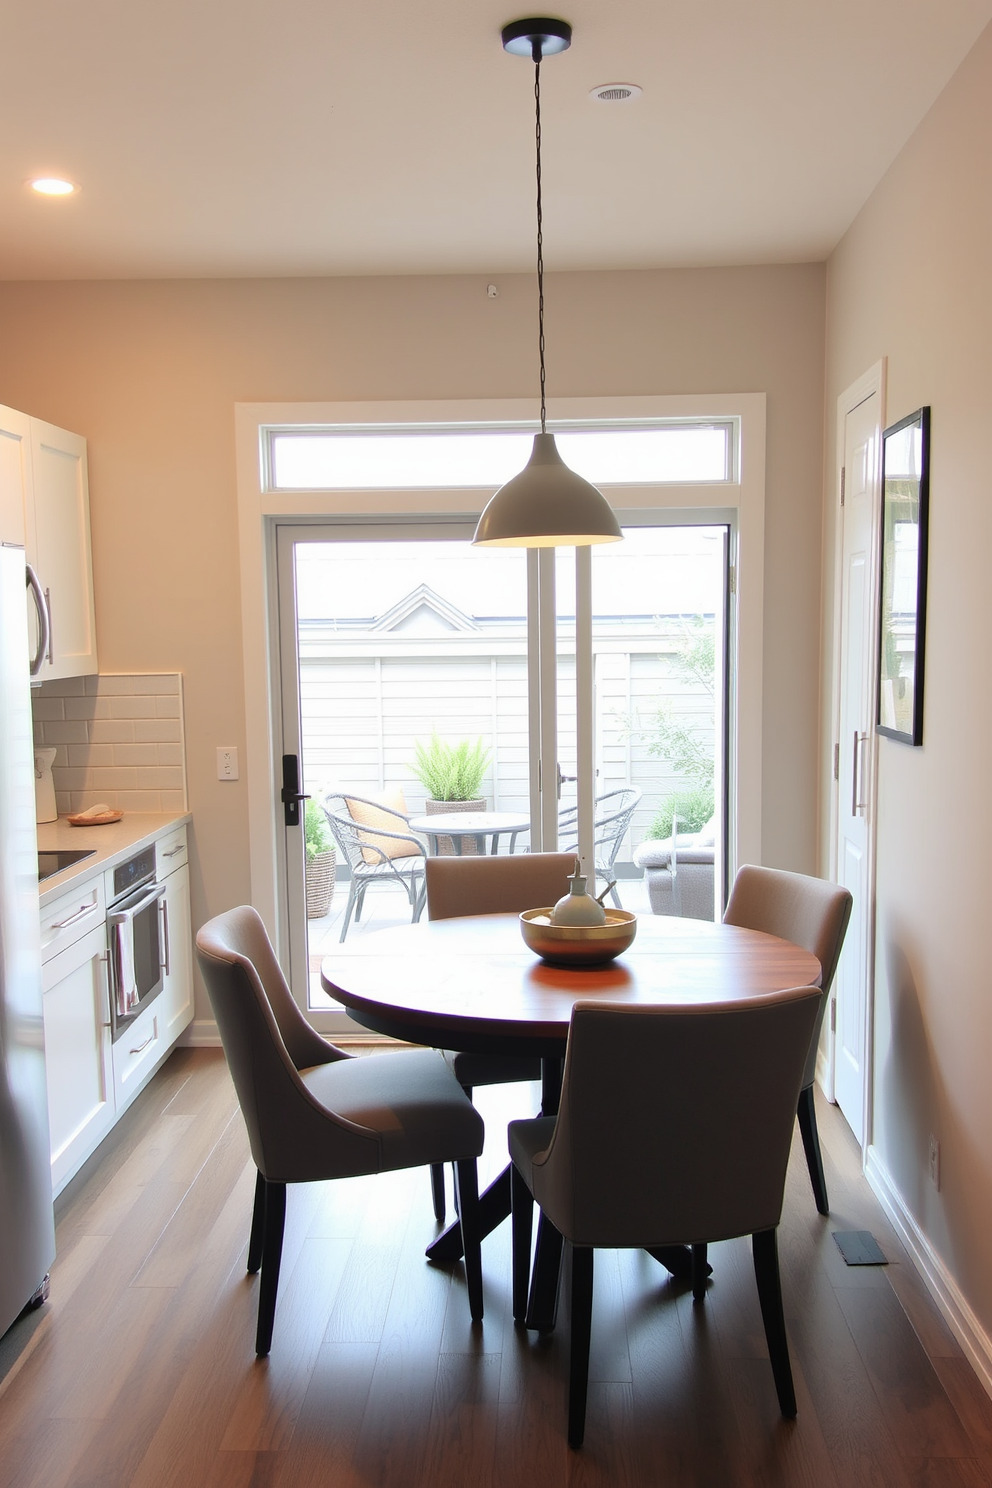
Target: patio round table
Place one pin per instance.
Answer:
(476, 824)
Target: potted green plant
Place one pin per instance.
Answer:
(321, 863)
(452, 776)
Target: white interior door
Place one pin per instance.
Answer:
(855, 771)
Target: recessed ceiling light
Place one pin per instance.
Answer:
(615, 92)
(52, 186)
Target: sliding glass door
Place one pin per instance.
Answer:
(601, 673)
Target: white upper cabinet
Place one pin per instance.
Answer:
(61, 545)
(44, 503)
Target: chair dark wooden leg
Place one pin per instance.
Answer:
(437, 1190)
(542, 1306)
(275, 1223)
(522, 1211)
(256, 1238)
(811, 1144)
(467, 1195)
(764, 1247)
(578, 1368)
(700, 1270)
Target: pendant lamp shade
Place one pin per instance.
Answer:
(546, 506)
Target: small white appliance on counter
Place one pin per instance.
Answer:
(44, 786)
(27, 1228)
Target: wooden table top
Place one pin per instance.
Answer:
(472, 984)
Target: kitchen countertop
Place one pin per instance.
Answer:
(113, 843)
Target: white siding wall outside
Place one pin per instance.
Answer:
(362, 713)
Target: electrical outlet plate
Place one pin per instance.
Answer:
(227, 762)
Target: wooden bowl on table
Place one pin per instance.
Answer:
(578, 945)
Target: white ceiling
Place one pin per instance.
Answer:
(299, 137)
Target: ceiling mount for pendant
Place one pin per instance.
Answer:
(537, 37)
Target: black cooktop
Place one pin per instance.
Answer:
(53, 862)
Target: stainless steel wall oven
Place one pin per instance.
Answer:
(138, 928)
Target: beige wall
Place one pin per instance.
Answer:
(911, 281)
(150, 373)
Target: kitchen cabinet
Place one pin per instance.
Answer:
(78, 1055)
(43, 473)
(92, 1078)
(177, 994)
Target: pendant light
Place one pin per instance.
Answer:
(547, 505)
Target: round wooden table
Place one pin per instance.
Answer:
(471, 984)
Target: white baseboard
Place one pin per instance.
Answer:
(943, 1288)
(201, 1034)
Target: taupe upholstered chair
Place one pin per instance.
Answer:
(674, 1127)
(812, 913)
(459, 886)
(314, 1112)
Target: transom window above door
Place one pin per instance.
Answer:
(683, 453)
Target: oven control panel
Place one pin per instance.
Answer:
(136, 871)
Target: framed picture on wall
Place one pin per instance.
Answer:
(903, 588)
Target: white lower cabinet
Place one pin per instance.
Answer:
(91, 1077)
(81, 1098)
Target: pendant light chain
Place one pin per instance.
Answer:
(540, 227)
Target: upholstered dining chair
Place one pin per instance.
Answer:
(314, 1112)
(812, 913)
(674, 1127)
(491, 885)
(375, 841)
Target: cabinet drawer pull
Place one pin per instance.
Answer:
(173, 850)
(64, 924)
(148, 1040)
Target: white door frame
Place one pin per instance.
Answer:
(872, 381)
(258, 506)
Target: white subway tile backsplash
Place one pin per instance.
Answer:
(135, 754)
(112, 731)
(115, 686)
(119, 738)
(48, 709)
(94, 707)
(157, 731)
(66, 733)
(133, 707)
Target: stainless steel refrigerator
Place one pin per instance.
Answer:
(27, 1229)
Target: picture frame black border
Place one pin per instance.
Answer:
(921, 417)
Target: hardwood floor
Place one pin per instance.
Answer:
(140, 1370)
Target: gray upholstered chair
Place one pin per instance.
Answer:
(679, 872)
(674, 1127)
(812, 913)
(459, 886)
(378, 847)
(611, 818)
(314, 1112)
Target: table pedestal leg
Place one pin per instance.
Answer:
(494, 1207)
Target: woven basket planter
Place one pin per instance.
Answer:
(445, 846)
(320, 884)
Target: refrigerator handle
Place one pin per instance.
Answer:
(44, 622)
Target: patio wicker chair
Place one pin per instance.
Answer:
(613, 812)
(381, 849)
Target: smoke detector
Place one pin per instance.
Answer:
(615, 92)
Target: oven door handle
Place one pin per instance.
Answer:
(127, 911)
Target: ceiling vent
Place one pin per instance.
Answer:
(615, 92)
